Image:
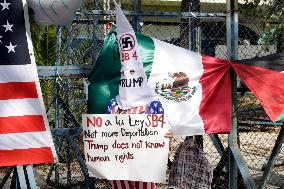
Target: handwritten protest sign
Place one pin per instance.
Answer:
(126, 146)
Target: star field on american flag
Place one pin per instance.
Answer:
(5, 5)
(13, 39)
(154, 107)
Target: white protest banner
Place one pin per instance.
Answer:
(126, 146)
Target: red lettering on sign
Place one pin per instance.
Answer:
(155, 120)
(125, 56)
(97, 121)
(135, 55)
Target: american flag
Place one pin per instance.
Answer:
(25, 137)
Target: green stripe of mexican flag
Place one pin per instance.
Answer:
(195, 91)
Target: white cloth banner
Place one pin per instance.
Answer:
(126, 146)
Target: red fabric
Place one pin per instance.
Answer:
(123, 186)
(216, 104)
(114, 184)
(145, 184)
(136, 110)
(18, 90)
(136, 184)
(266, 85)
(18, 124)
(26, 156)
(131, 184)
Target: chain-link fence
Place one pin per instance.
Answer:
(258, 135)
(199, 25)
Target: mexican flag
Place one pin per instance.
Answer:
(195, 90)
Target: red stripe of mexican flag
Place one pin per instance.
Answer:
(216, 99)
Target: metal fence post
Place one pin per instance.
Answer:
(136, 19)
(56, 94)
(66, 97)
(194, 7)
(57, 63)
(95, 25)
(236, 160)
(232, 45)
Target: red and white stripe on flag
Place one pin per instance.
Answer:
(126, 184)
(25, 136)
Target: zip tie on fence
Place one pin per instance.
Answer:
(86, 86)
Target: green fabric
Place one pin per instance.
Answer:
(280, 117)
(104, 78)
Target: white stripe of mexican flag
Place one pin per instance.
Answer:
(175, 61)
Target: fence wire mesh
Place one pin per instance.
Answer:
(258, 135)
(261, 32)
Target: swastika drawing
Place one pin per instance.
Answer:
(127, 42)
